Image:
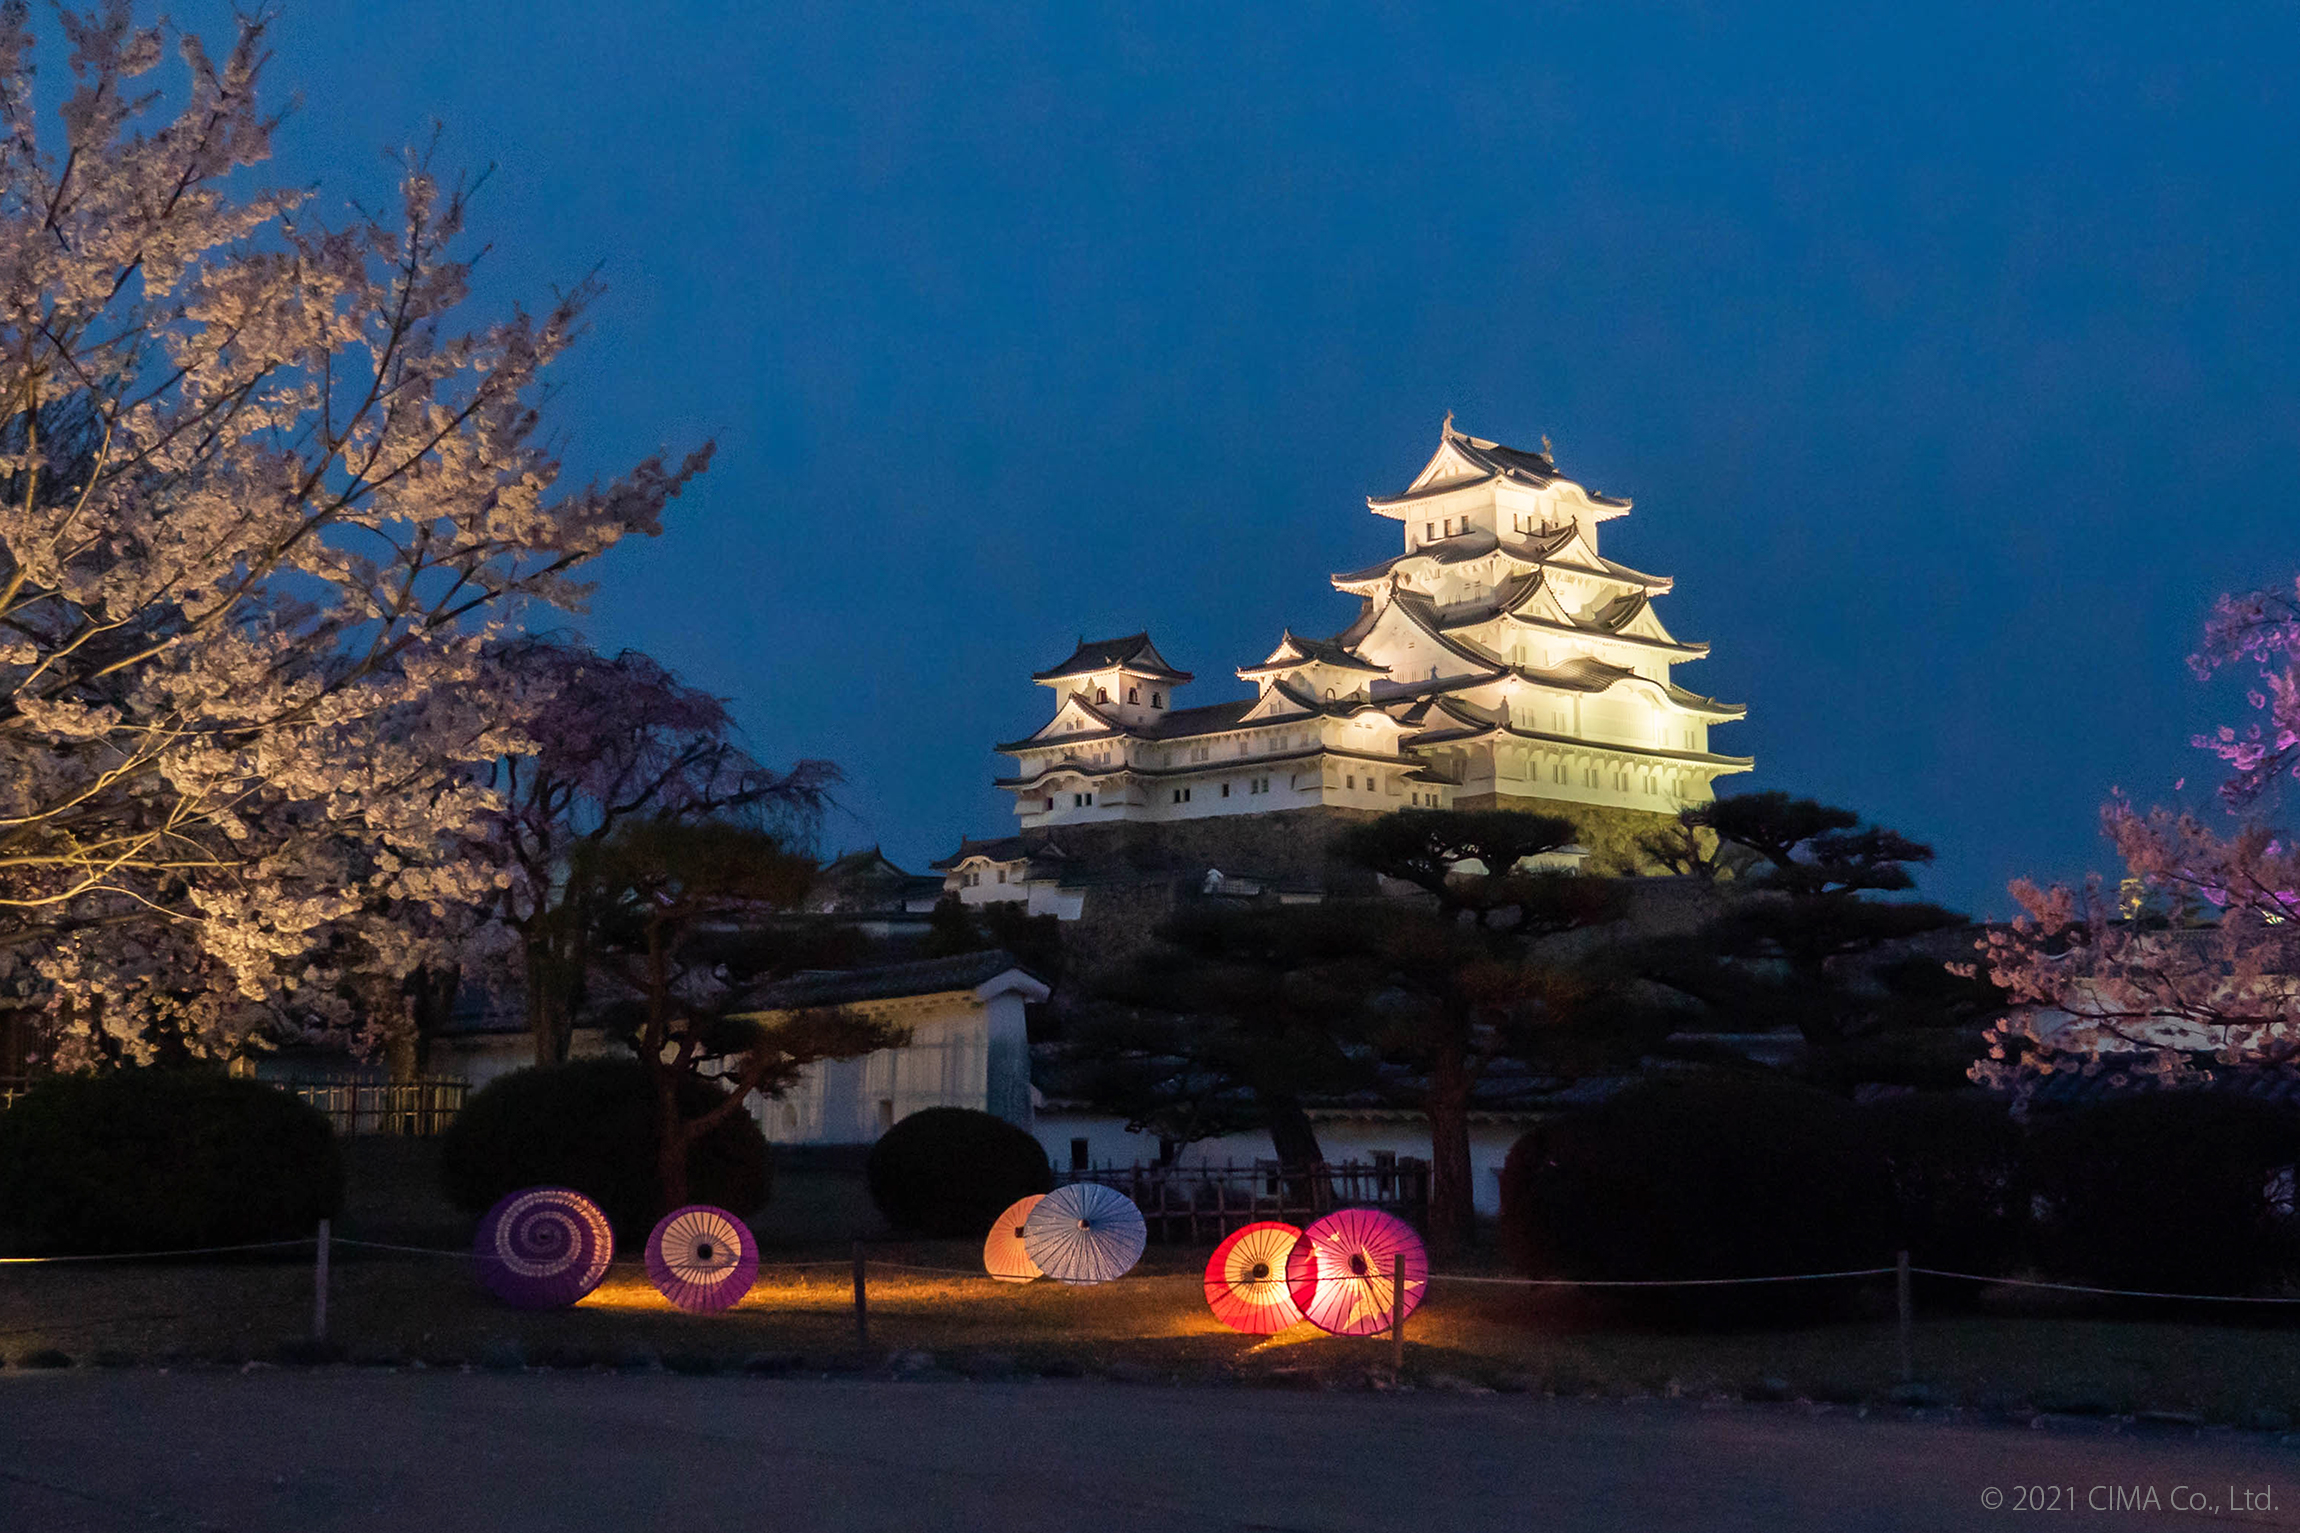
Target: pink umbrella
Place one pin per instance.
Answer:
(1246, 1279)
(702, 1258)
(1003, 1256)
(1340, 1270)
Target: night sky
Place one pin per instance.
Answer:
(1946, 349)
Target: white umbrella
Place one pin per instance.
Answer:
(1084, 1233)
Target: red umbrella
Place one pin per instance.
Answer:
(1246, 1279)
(1340, 1270)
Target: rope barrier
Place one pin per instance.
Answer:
(135, 1256)
(2121, 1293)
(1434, 1277)
(1786, 1277)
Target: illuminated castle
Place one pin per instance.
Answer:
(1498, 660)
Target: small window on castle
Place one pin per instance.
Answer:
(1352, 782)
(1157, 699)
(1429, 531)
(1090, 801)
(1225, 790)
(1002, 875)
(1081, 1154)
(1102, 694)
(1133, 694)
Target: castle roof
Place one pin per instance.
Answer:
(1485, 462)
(1294, 652)
(1133, 652)
(1536, 548)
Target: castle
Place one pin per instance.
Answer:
(1498, 660)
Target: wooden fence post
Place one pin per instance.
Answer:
(319, 1283)
(862, 1301)
(1398, 1314)
(1908, 1318)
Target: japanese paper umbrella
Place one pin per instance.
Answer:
(1246, 1280)
(1340, 1274)
(702, 1258)
(1084, 1233)
(543, 1247)
(1003, 1256)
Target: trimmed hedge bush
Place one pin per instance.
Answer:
(2169, 1192)
(590, 1125)
(1959, 1171)
(163, 1159)
(949, 1171)
(1700, 1177)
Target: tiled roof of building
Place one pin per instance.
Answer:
(1133, 652)
(1002, 849)
(1322, 651)
(1492, 460)
(844, 987)
(1535, 548)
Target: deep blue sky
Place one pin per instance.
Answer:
(1946, 349)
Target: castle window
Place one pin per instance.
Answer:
(1352, 781)
(1133, 694)
(1429, 531)
(1157, 699)
(1002, 875)
(1225, 790)
(1102, 694)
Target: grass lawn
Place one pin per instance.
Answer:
(404, 1310)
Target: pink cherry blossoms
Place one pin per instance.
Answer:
(2261, 628)
(2195, 965)
(262, 498)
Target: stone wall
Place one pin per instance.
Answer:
(1289, 845)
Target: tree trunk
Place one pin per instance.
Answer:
(671, 1165)
(1291, 1133)
(1453, 1192)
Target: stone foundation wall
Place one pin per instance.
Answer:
(1292, 845)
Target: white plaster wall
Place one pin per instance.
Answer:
(1109, 1143)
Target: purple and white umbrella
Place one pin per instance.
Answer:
(543, 1247)
(1343, 1275)
(702, 1259)
(1084, 1233)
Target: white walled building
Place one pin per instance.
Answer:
(1498, 660)
(967, 1047)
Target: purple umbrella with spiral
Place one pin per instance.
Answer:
(543, 1247)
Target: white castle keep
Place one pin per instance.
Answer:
(1498, 660)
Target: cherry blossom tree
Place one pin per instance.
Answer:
(2193, 966)
(265, 497)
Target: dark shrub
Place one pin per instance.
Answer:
(590, 1125)
(951, 1170)
(2168, 1191)
(160, 1160)
(1958, 1166)
(1700, 1177)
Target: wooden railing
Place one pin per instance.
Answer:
(1202, 1203)
(418, 1108)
